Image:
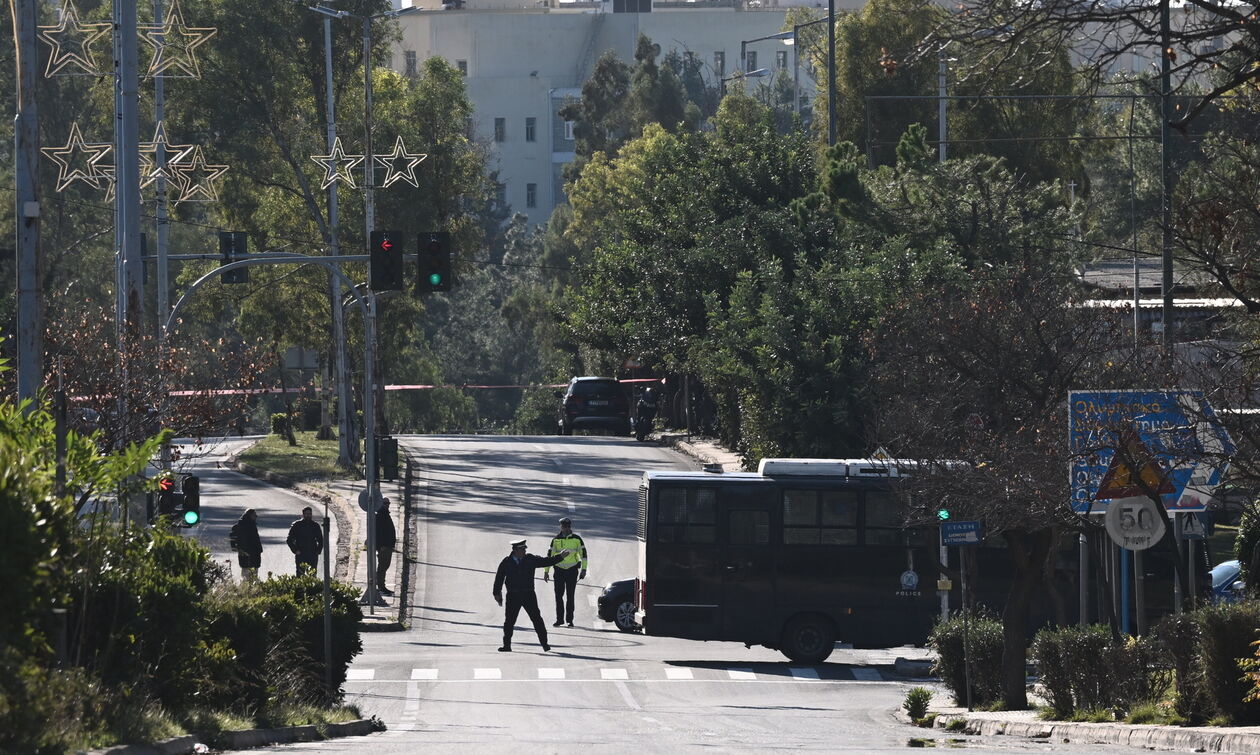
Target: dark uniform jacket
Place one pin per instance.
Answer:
(305, 537)
(248, 544)
(385, 535)
(520, 577)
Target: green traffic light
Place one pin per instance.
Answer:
(942, 514)
(191, 517)
(435, 279)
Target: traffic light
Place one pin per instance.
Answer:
(387, 454)
(386, 270)
(942, 513)
(435, 263)
(192, 500)
(233, 246)
(166, 496)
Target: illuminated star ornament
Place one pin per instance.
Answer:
(337, 165)
(71, 42)
(391, 161)
(174, 45)
(196, 177)
(149, 170)
(80, 161)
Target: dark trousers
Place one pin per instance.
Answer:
(384, 556)
(566, 584)
(515, 602)
(303, 562)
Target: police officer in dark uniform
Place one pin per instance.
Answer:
(517, 572)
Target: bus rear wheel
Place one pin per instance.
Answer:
(808, 639)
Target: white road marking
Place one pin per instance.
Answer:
(487, 673)
(613, 673)
(550, 673)
(360, 674)
(424, 673)
(741, 674)
(678, 673)
(625, 694)
(804, 673)
(867, 675)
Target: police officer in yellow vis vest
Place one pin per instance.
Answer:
(568, 571)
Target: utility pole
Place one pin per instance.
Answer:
(1165, 194)
(831, 73)
(30, 325)
(345, 434)
(127, 165)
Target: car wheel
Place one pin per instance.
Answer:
(624, 617)
(808, 639)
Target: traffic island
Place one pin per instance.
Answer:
(1024, 723)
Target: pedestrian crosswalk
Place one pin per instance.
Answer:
(640, 673)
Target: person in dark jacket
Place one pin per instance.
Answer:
(386, 538)
(516, 571)
(305, 540)
(247, 544)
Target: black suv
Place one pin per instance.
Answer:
(593, 403)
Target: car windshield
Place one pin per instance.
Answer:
(1223, 572)
(596, 389)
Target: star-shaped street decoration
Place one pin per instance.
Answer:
(80, 161)
(71, 41)
(391, 160)
(149, 170)
(337, 165)
(196, 177)
(174, 44)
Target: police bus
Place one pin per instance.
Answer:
(795, 557)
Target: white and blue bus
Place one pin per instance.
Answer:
(795, 557)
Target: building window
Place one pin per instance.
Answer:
(409, 59)
(500, 194)
(500, 129)
(462, 65)
(531, 129)
(531, 195)
(719, 63)
(780, 59)
(568, 131)
(750, 61)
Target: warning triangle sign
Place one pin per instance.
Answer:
(1120, 480)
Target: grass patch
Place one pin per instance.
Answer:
(1096, 716)
(926, 722)
(310, 459)
(1161, 713)
(203, 721)
(921, 742)
(957, 724)
(303, 715)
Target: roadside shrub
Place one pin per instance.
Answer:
(280, 424)
(1085, 669)
(1247, 547)
(916, 704)
(1226, 633)
(985, 643)
(276, 629)
(1178, 637)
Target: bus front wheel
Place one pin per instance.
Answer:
(808, 639)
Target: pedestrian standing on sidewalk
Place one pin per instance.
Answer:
(569, 570)
(516, 571)
(305, 540)
(248, 546)
(386, 537)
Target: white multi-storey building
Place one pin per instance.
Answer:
(523, 61)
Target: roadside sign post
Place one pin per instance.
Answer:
(964, 534)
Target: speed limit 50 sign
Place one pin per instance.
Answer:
(1134, 523)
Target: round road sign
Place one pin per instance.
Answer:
(1134, 523)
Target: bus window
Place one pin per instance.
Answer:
(883, 519)
(749, 528)
(811, 518)
(686, 515)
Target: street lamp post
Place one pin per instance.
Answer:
(793, 39)
(741, 75)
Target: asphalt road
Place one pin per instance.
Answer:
(442, 686)
(226, 494)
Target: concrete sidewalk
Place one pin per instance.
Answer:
(702, 449)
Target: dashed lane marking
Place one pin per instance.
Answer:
(810, 674)
(424, 673)
(679, 673)
(550, 673)
(741, 674)
(360, 674)
(613, 673)
(487, 673)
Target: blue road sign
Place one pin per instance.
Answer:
(961, 533)
(1179, 427)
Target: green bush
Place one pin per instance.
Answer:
(1247, 547)
(279, 424)
(1178, 635)
(1226, 633)
(985, 632)
(916, 704)
(276, 630)
(1085, 669)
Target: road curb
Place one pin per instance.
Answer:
(705, 452)
(248, 738)
(1149, 736)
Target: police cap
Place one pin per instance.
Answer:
(518, 543)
